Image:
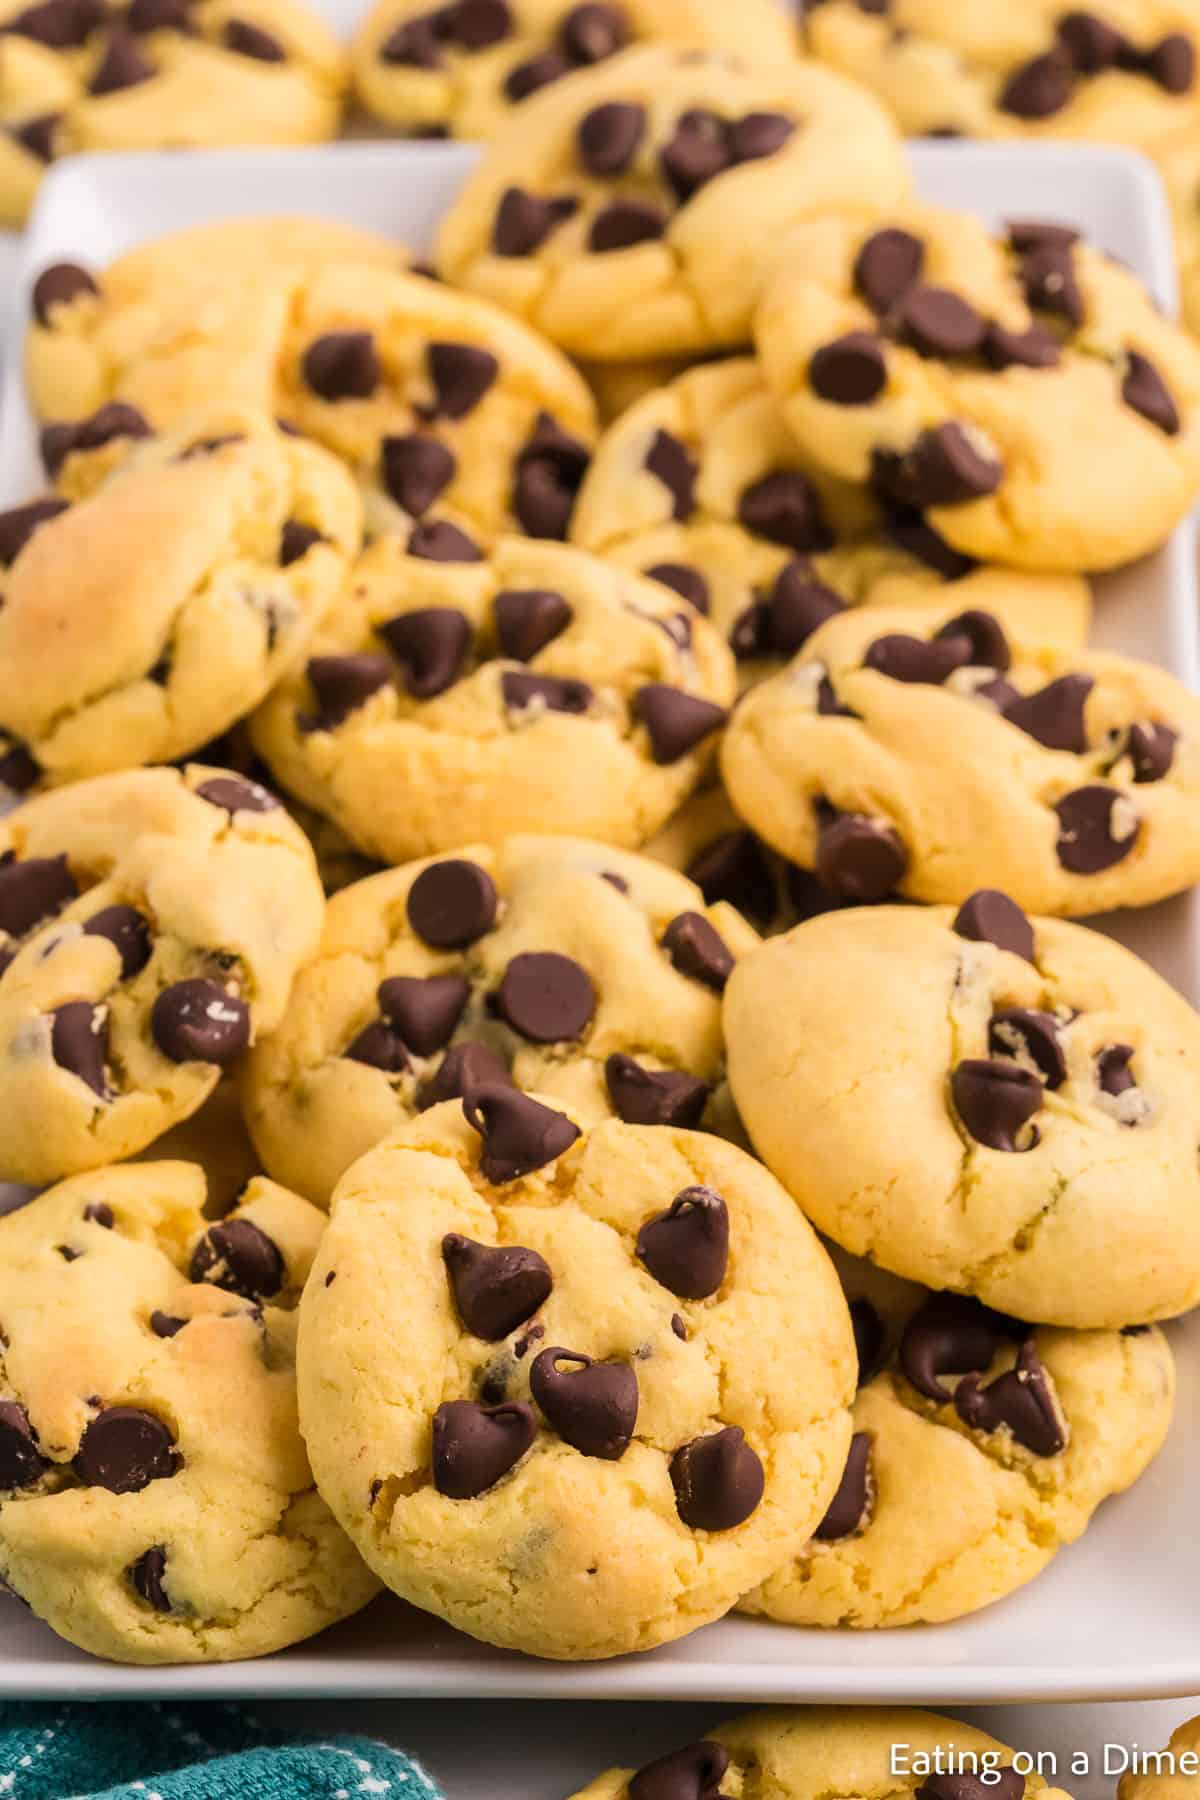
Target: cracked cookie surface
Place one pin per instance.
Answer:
(1073, 785)
(1023, 393)
(556, 1448)
(156, 1502)
(151, 924)
(634, 211)
(1013, 1123)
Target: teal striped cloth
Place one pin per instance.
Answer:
(160, 1752)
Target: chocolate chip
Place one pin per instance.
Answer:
(797, 604)
(413, 45)
(990, 917)
(1172, 63)
(19, 770)
(425, 1011)
(995, 1101)
(124, 1449)
(98, 1212)
(1088, 838)
(416, 470)
(527, 620)
(785, 508)
(1091, 44)
(850, 371)
(547, 998)
(519, 1134)
(675, 721)
(105, 426)
(475, 1446)
(718, 1480)
(1144, 389)
(33, 891)
(239, 1258)
(342, 684)
(609, 135)
(537, 72)
(1031, 349)
(495, 1287)
(686, 1247)
(296, 540)
(643, 1096)
(593, 32)
(671, 462)
(624, 223)
(165, 1325)
(197, 1021)
(379, 1046)
(234, 795)
(1024, 1033)
(860, 859)
(984, 634)
(550, 469)
(144, 16)
(697, 949)
(693, 1773)
(433, 644)
(1055, 714)
(21, 1462)
(464, 1067)
(943, 468)
(555, 693)
(929, 662)
(1002, 1784)
(1021, 1399)
(593, 1406)
(19, 523)
(122, 66)
(887, 266)
(951, 1334)
(697, 151)
(848, 1509)
(251, 40)
(342, 365)
(79, 1043)
(436, 540)
(59, 24)
(685, 581)
(1038, 234)
(452, 904)
(937, 322)
(869, 1338)
(146, 1578)
(58, 286)
(828, 703)
(734, 868)
(461, 375)
(1039, 88)
(1113, 1074)
(759, 134)
(1050, 284)
(478, 24)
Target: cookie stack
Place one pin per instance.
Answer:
(486, 887)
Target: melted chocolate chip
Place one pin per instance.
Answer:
(33, 891)
(676, 721)
(796, 605)
(296, 540)
(672, 463)
(887, 266)
(21, 1462)
(250, 40)
(527, 620)
(519, 1134)
(165, 1325)
(911, 659)
(496, 1287)
(553, 693)
(432, 644)
(1034, 348)
(105, 426)
(426, 1011)
(198, 1021)
(550, 468)
(718, 1480)
(850, 371)
(785, 508)
(985, 638)
(1006, 1784)
(937, 322)
(697, 151)
(644, 1096)
(609, 135)
(1090, 838)
(342, 684)
(869, 1338)
(416, 470)
(593, 1406)
(536, 72)
(19, 523)
(547, 998)
(1038, 89)
(452, 903)
(144, 16)
(1113, 1074)
(1144, 389)
(995, 1101)
(1025, 1033)
(239, 1258)
(146, 1578)
(1151, 750)
(951, 1334)
(685, 581)
(124, 1449)
(686, 1247)
(79, 1043)
(758, 135)
(465, 1066)
(233, 795)
(123, 65)
(1050, 283)
(859, 859)
(848, 1509)
(693, 1773)
(943, 468)
(474, 1447)
(59, 24)
(59, 285)
(697, 949)
(625, 223)
(461, 375)
(437, 540)
(342, 365)
(379, 1046)
(524, 221)
(1055, 714)
(990, 917)
(1021, 1399)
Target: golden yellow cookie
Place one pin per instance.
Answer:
(1179, 162)
(1170, 1774)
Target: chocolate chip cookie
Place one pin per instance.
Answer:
(151, 924)
(1179, 163)
(979, 1101)
(459, 70)
(981, 1446)
(636, 210)
(156, 1503)
(555, 965)
(1175, 1782)
(456, 701)
(1021, 393)
(574, 1392)
(241, 535)
(702, 486)
(1074, 781)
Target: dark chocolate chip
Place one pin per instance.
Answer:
(250, 40)
(1087, 839)
(342, 365)
(379, 1046)
(464, 1067)
(985, 636)
(609, 135)
(1172, 63)
(21, 1462)
(919, 660)
(686, 1247)
(1004, 1784)
(59, 24)
(527, 619)
(937, 322)
(79, 1043)
(797, 604)
(123, 65)
(1037, 234)
(734, 868)
(296, 540)
(166, 1325)
(58, 286)
(995, 1101)
(519, 1134)
(869, 1338)
(477, 24)
(496, 1287)
(342, 684)
(547, 998)
(1050, 284)
(437, 540)
(550, 468)
(425, 1011)
(19, 523)
(144, 16)
(1113, 1074)
(593, 1406)
(1020, 1399)
(887, 266)
(696, 152)
(413, 45)
(943, 468)
(416, 470)
(1031, 349)
(693, 1773)
(850, 371)
(474, 1446)
(593, 32)
(624, 223)
(860, 859)
(452, 903)
(685, 581)
(697, 949)
(1091, 44)
(718, 1480)
(33, 891)
(98, 1212)
(556, 693)
(19, 771)
(239, 1258)
(461, 375)
(759, 134)
(146, 1578)
(1022, 1032)
(671, 462)
(124, 1449)
(1040, 88)
(644, 1096)
(848, 1509)
(675, 721)
(785, 508)
(536, 72)
(951, 1334)
(1144, 389)
(105, 426)
(1055, 714)
(197, 1021)
(1151, 750)
(233, 795)
(990, 917)
(433, 644)
(828, 703)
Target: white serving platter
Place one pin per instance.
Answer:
(1114, 1616)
